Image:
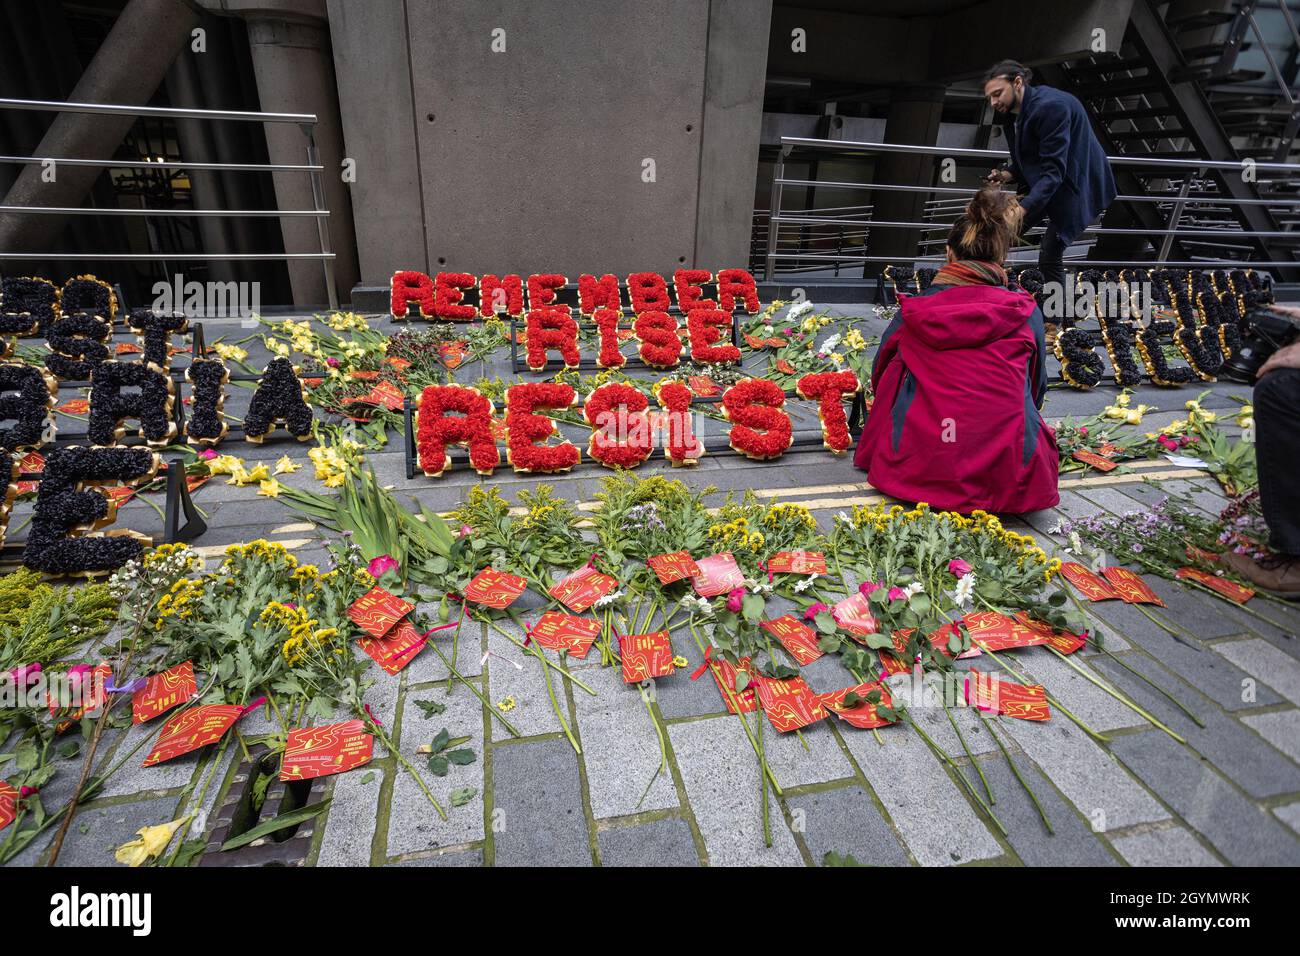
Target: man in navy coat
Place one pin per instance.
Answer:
(1061, 169)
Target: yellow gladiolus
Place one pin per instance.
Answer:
(152, 842)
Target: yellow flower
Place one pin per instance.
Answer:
(270, 488)
(506, 704)
(224, 465)
(680, 661)
(152, 842)
(286, 466)
(853, 339)
(230, 352)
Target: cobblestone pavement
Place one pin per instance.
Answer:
(1130, 796)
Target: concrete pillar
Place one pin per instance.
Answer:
(127, 69)
(913, 119)
(295, 74)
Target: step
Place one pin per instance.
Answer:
(1144, 112)
(1137, 84)
(1146, 134)
(1202, 18)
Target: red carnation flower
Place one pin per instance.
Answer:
(602, 293)
(657, 334)
(623, 437)
(504, 294)
(607, 324)
(551, 328)
(755, 403)
(704, 327)
(828, 390)
(526, 428)
(435, 429)
(737, 282)
(681, 446)
(687, 283)
(648, 292)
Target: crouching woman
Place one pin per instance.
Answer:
(959, 380)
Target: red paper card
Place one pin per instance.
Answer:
(724, 673)
(400, 364)
(783, 366)
(892, 664)
(74, 406)
(376, 611)
(583, 588)
(8, 803)
(797, 562)
(719, 574)
(864, 714)
(789, 704)
(854, 615)
(363, 376)
(496, 589)
(1089, 585)
(94, 697)
(191, 729)
(940, 636)
(386, 395)
(703, 386)
(646, 656)
(127, 348)
(673, 567)
(561, 632)
(1094, 460)
(194, 482)
(396, 649)
(1109, 450)
(329, 749)
(1022, 701)
(796, 637)
(1237, 593)
(1130, 587)
(997, 632)
(162, 692)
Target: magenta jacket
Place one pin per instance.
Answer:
(959, 378)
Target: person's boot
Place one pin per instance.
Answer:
(1050, 332)
(1279, 574)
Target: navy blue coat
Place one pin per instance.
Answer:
(1055, 154)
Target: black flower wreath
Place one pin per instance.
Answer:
(152, 405)
(1117, 334)
(278, 401)
(37, 297)
(155, 330)
(206, 426)
(88, 294)
(29, 408)
(1153, 356)
(77, 345)
(1197, 340)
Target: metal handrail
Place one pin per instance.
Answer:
(314, 168)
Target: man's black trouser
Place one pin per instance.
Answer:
(1051, 253)
(1277, 455)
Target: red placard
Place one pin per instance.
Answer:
(789, 704)
(162, 692)
(719, 574)
(329, 749)
(854, 615)
(74, 406)
(646, 656)
(562, 632)
(724, 673)
(795, 636)
(1237, 593)
(797, 562)
(1094, 460)
(583, 588)
(396, 649)
(1088, 584)
(8, 803)
(376, 611)
(32, 463)
(385, 394)
(1130, 587)
(673, 567)
(496, 589)
(703, 386)
(863, 714)
(363, 375)
(1022, 701)
(191, 729)
(997, 632)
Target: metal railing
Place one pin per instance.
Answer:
(1185, 201)
(313, 168)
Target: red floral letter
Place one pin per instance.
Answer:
(447, 296)
(733, 282)
(648, 292)
(828, 389)
(607, 322)
(551, 328)
(681, 447)
(411, 287)
(599, 293)
(687, 282)
(505, 294)
(541, 289)
(435, 429)
(526, 428)
(756, 403)
(622, 436)
(657, 333)
(704, 326)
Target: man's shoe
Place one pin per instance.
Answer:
(1050, 332)
(1278, 574)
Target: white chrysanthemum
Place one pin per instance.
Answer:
(964, 593)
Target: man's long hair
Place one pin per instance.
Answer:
(1009, 70)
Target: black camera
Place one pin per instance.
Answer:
(1263, 333)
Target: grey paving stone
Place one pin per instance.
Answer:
(1255, 766)
(533, 713)
(620, 747)
(380, 696)
(926, 709)
(663, 842)
(679, 696)
(721, 774)
(1186, 609)
(130, 777)
(1088, 776)
(413, 824)
(471, 857)
(98, 831)
(1267, 664)
(846, 821)
(1072, 842)
(350, 822)
(821, 762)
(1245, 834)
(1168, 846)
(428, 666)
(1289, 814)
(1090, 703)
(537, 805)
(931, 813)
(1281, 729)
(1203, 669)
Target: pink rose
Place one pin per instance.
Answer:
(958, 567)
(379, 565)
(22, 676)
(208, 454)
(332, 362)
(29, 791)
(866, 587)
(1083, 429)
(897, 594)
(735, 600)
(813, 611)
(464, 531)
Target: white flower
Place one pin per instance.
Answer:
(768, 330)
(830, 344)
(964, 593)
(805, 584)
(698, 605)
(916, 587)
(608, 599)
(797, 310)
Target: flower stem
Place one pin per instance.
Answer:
(477, 693)
(455, 644)
(663, 745)
(1122, 698)
(1154, 686)
(970, 788)
(1100, 738)
(969, 756)
(1023, 782)
(549, 663)
(387, 741)
(536, 650)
